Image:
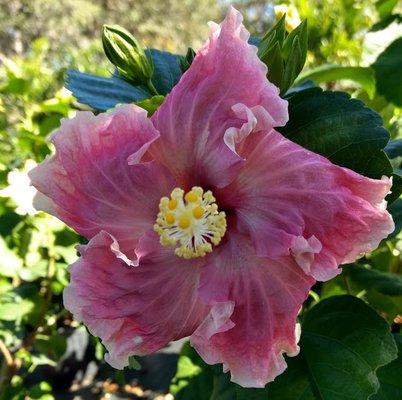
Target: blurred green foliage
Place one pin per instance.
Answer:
(39, 41)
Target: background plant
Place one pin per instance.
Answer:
(353, 46)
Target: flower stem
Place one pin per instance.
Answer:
(152, 88)
(7, 369)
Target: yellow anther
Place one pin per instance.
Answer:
(190, 221)
(191, 197)
(198, 212)
(170, 218)
(172, 204)
(184, 222)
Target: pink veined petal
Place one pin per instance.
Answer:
(88, 183)
(225, 80)
(254, 305)
(291, 200)
(134, 310)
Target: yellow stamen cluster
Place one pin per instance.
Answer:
(191, 221)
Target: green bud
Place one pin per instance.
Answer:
(123, 50)
(283, 53)
(185, 61)
(275, 34)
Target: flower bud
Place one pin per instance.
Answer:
(284, 53)
(123, 50)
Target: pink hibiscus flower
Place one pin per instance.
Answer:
(203, 220)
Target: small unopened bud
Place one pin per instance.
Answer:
(123, 50)
(284, 53)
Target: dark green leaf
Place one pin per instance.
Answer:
(390, 377)
(273, 60)
(396, 211)
(396, 190)
(394, 148)
(328, 73)
(167, 70)
(299, 87)
(339, 128)
(276, 34)
(343, 343)
(388, 67)
(369, 278)
(302, 34)
(293, 65)
(103, 93)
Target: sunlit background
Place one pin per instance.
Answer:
(45, 354)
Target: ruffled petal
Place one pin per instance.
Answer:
(88, 183)
(225, 80)
(293, 201)
(135, 306)
(254, 304)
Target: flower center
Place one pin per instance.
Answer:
(190, 221)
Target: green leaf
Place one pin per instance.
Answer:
(396, 190)
(396, 211)
(364, 76)
(388, 67)
(394, 148)
(152, 104)
(31, 273)
(103, 93)
(273, 60)
(133, 363)
(368, 278)
(13, 309)
(193, 379)
(302, 34)
(390, 377)
(293, 65)
(340, 128)
(167, 70)
(276, 34)
(10, 263)
(343, 343)
(385, 7)
(53, 346)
